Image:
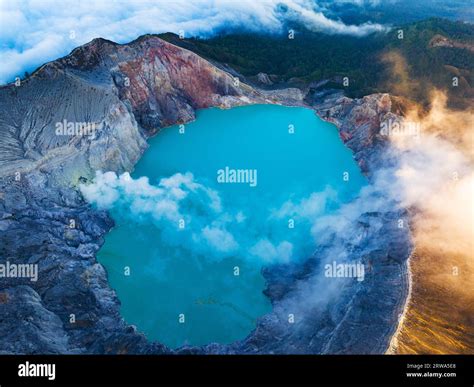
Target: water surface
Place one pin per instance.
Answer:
(182, 289)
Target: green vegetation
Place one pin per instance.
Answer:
(312, 57)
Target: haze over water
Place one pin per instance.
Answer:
(202, 283)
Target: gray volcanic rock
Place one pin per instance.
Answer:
(264, 79)
(38, 330)
(126, 93)
(359, 122)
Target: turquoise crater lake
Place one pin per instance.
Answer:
(185, 257)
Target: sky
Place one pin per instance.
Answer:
(33, 32)
(37, 31)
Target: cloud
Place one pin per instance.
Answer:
(269, 253)
(34, 32)
(188, 214)
(311, 207)
(302, 11)
(362, 3)
(185, 213)
(436, 176)
(222, 240)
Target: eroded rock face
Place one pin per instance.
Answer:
(360, 122)
(38, 330)
(264, 79)
(128, 92)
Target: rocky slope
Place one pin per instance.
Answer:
(128, 92)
